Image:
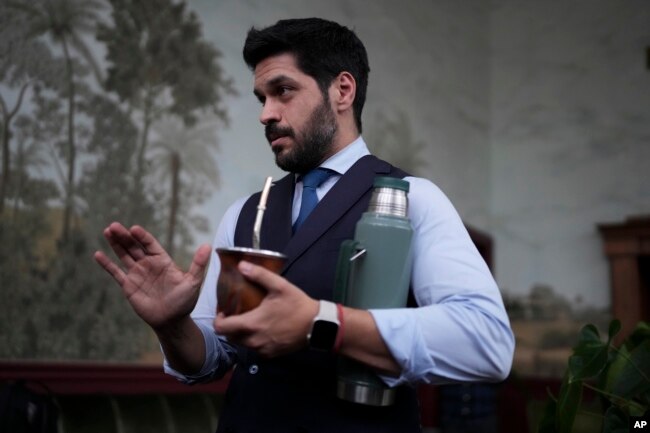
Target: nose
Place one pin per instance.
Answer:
(270, 112)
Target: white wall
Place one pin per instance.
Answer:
(535, 115)
(570, 138)
(428, 61)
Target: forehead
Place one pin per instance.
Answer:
(276, 67)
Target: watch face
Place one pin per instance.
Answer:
(323, 335)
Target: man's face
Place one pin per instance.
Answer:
(300, 124)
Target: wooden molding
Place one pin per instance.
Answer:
(101, 378)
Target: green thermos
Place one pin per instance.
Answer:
(373, 272)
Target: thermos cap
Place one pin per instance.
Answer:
(389, 197)
(391, 182)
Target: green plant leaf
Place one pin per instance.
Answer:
(617, 364)
(625, 382)
(547, 421)
(636, 408)
(614, 328)
(640, 334)
(589, 334)
(567, 404)
(616, 421)
(629, 375)
(590, 355)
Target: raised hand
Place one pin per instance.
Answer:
(157, 289)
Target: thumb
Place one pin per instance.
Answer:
(200, 261)
(262, 276)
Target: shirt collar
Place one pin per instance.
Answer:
(345, 158)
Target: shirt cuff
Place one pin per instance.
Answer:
(405, 342)
(219, 358)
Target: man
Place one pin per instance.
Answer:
(311, 79)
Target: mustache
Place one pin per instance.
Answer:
(273, 131)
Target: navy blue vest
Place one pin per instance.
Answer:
(297, 392)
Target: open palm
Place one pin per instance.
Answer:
(157, 289)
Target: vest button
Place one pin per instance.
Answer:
(253, 369)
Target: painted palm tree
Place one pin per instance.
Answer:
(8, 115)
(29, 155)
(183, 156)
(23, 63)
(160, 64)
(64, 22)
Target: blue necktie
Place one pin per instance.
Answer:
(310, 182)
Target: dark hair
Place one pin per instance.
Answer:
(323, 50)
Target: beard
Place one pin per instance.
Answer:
(311, 145)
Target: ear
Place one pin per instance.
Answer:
(343, 91)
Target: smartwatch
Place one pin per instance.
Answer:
(325, 327)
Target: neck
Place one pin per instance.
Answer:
(347, 132)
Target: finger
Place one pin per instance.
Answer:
(258, 274)
(110, 267)
(147, 240)
(234, 327)
(126, 243)
(200, 261)
(117, 248)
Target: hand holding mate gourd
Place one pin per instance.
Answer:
(280, 324)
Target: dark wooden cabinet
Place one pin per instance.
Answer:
(627, 247)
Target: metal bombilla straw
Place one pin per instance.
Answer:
(261, 207)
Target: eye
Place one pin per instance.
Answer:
(283, 90)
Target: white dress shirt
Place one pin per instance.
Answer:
(460, 332)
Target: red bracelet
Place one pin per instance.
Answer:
(339, 334)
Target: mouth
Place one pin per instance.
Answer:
(275, 139)
(276, 135)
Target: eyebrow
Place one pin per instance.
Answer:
(273, 82)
